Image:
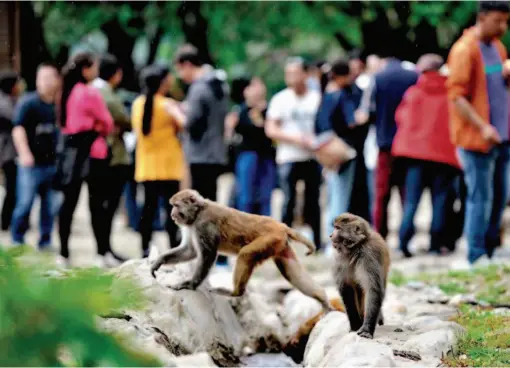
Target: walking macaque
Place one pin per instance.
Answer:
(361, 271)
(208, 228)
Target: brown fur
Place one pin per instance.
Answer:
(254, 239)
(361, 271)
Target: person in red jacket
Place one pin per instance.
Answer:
(423, 140)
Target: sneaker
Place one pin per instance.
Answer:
(481, 262)
(62, 262)
(111, 261)
(99, 261)
(465, 265)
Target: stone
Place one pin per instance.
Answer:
(185, 321)
(416, 285)
(433, 294)
(435, 343)
(194, 360)
(430, 323)
(355, 351)
(329, 329)
(462, 299)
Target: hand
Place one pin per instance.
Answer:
(361, 117)
(173, 108)
(27, 159)
(306, 142)
(490, 134)
(506, 69)
(188, 285)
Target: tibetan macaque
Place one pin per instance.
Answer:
(208, 228)
(361, 270)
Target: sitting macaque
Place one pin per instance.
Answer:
(209, 228)
(361, 271)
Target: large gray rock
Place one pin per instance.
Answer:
(355, 351)
(435, 343)
(183, 322)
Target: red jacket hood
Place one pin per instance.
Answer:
(422, 122)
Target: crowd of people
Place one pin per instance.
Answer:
(436, 125)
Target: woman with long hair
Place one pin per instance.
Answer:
(159, 166)
(85, 122)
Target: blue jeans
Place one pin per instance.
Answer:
(31, 181)
(440, 178)
(339, 192)
(256, 179)
(486, 177)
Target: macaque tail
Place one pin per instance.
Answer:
(294, 235)
(296, 346)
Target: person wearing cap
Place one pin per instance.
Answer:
(479, 125)
(422, 141)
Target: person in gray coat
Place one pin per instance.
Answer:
(10, 88)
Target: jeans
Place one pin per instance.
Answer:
(308, 171)
(339, 192)
(256, 177)
(486, 176)
(440, 179)
(32, 181)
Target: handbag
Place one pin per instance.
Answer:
(331, 151)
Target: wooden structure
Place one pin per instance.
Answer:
(10, 56)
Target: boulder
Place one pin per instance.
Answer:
(435, 343)
(355, 351)
(333, 327)
(194, 360)
(183, 322)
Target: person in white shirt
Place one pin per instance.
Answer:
(291, 122)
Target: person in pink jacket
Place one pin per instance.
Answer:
(84, 113)
(423, 142)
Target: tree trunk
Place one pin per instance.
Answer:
(194, 26)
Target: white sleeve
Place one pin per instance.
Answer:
(275, 110)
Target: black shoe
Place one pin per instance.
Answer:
(406, 253)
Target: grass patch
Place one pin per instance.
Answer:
(486, 343)
(489, 284)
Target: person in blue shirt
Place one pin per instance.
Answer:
(336, 113)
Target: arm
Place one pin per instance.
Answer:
(323, 121)
(174, 110)
(119, 114)
(99, 110)
(19, 135)
(367, 104)
(197, 111)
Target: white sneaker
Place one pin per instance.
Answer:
(62, 262)
(111, 261)
(465, 265)
(99, 261)
(482, 262)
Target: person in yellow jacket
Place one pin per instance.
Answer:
(160, 161)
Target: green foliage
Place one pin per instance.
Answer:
(49, 319)
(486, 343)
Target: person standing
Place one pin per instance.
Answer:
(291, 122)
(423, 140)
(206, 108)
(110, 76)
(255, 165)
(159, 158)
(10, 88)
(388, 88)
(35, 138)
(85, 123)
(479, 118)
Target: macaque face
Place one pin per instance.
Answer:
(348, 232)
(187, 205)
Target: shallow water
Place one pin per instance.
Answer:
(268, 360)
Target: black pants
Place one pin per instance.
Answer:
(116, 178)
(97, 207)
(9, 169)
(153, 190)
(204, 179)
(309, 171)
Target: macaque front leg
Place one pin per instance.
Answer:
(374, 296)
(204, 265)
(182, 253)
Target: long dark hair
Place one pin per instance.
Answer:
(151, 79)
(72, 74)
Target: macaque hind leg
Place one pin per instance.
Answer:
(251, 255)
(295, 273)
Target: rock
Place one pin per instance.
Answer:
(184, 322)
(416, 285)
(195, 360)
(268, 360)
(355, 351)
(435, 343)
(261, 321)
(430, 323)
(501, 311)
(329, 329)
(433, 294)
(462, 299)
